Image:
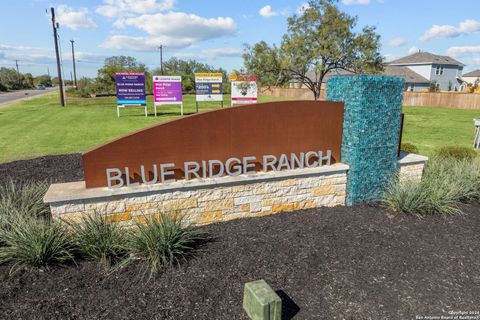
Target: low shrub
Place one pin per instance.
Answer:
(456, 152)
(446, 183)
(23, 198)
(408, 147)
(99, 240)
(163, 241)
(36, 242)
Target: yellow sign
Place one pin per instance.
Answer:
(213, 74)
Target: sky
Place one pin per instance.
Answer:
(215, 32)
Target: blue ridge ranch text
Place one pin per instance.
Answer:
(164, 172)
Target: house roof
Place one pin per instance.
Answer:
(475, 73)
(409, 75)
(425, 57)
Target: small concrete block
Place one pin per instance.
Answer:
(260, 302)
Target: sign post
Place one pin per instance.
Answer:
(208, 87)
(130, 88)
(244, 89)
(167, 90)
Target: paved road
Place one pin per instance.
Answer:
(9, 97)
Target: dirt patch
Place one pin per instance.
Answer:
(328, 263)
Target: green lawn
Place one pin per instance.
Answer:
(430, 128)
(39, 126)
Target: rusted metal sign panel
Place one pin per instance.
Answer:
(273, 128)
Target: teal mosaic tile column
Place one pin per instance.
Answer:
(371, 131)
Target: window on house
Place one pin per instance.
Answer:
(441, 70)
(437, 70)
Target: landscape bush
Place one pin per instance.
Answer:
(165, 240)
(408, 147)
(22, 199)
(456, 152)
(36, 242)
(97, 239)
(446, 183)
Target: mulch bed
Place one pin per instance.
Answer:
(329, 263)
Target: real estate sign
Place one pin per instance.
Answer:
(167, 90)
(244, 89)
(208, 86)
(130, 88)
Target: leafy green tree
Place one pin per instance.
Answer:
(45, 80)
(27, 80)
(319, 40)
(105, 81)
(9, 78)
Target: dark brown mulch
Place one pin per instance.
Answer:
(62, 168)
(329, 263)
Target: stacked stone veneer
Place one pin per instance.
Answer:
(410, 166)
(219, 199)
(207, 201)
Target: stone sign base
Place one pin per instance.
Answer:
(213, 200)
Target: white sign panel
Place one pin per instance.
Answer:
(208, 87)
(244, 92)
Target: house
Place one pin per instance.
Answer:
(445, 71)
(413, 80)
(472, 77)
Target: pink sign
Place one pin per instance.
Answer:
(167, 90)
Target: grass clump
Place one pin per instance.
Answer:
(456, 152)
(446, 183)
(99, 240)
(36, 242)
(163, 241)
(408, 147)
(22, 199)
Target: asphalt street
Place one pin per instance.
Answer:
(9, 97)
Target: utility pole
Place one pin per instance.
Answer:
(55, 26)
(48, 71)
(74, 69)
(161, 59)
(18, 72)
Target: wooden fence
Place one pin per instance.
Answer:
(453, 100)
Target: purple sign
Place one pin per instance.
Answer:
(130, 88)
(167, 90)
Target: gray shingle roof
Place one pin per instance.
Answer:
(425, 57)
(475, 73)
(409, 75)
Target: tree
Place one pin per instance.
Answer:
(45, 80)
(105, 81)
(9, 78)
(319, 40)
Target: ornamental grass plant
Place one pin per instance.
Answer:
(36, 242)
(163, 240)
(446, 183)
(100, 240)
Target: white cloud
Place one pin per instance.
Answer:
(397, 42)
(448, 31)
(182, 25)
(267, 12)
(69, 18)
(350, 2)
(212, 54)
(463, 51)
(22, 48)
(118, 8)
(122, 42)
(413, 50)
